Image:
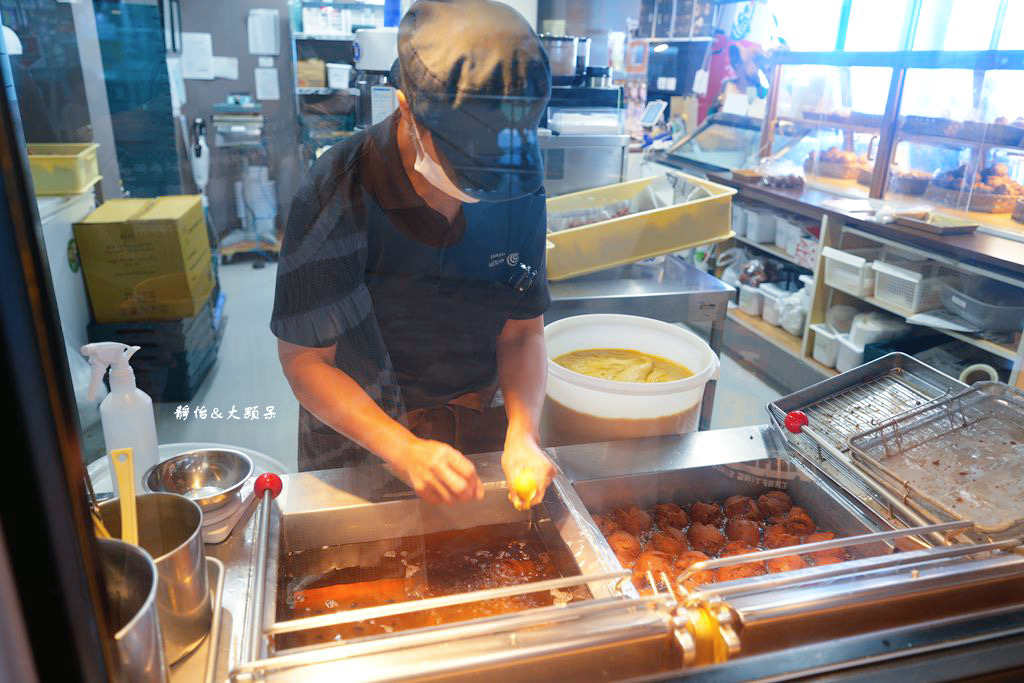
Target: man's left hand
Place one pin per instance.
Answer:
(525, 463)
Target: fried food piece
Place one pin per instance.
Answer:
(738, 571)
(670, 515)
(774, 503)
(798, 522)
(699, 578)
(742, 507)
(706, 513)
(834, 554)
(705, 538)
(625, 546)
(653, 561)
(669, 540)
(826, 560)
(786, 563)
(777, 536)
(606, 524)
(745, 530)
(736, 548)
(632, 519)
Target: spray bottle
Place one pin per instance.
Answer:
(127, 413)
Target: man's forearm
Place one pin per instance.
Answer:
(340, 403)
(522, 372)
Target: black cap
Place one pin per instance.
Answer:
(476, 76)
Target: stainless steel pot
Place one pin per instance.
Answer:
(170, 531)
(131, 578)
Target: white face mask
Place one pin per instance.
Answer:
(434, 174)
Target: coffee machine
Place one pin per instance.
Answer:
(374, 52)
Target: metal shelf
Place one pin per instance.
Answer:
(945, 141)
(313, 36)
(810, 123)
(770, 248)
(325, 91)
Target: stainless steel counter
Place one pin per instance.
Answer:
(672, 291)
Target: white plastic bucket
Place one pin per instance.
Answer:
(582, 409)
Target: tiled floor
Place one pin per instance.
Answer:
(247, 374)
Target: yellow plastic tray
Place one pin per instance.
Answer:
(63, 168)
(618, 241)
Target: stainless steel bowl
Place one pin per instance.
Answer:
(209, 477)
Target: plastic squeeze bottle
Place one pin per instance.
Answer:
(127, 412)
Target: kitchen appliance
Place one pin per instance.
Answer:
(568, 56)
(374, 52)
(878, 605)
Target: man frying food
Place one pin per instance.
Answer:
(411, 284)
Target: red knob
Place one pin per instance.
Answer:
(268, 481)
(796, 420)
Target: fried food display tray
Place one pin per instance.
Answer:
(961, 457)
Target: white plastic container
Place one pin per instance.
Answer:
(850, 271)
(761, 226)
(338, 76)
(739, 220)
(582, 409)
(875, 326)
(850, 355)
(771, 308)
(750, 300)
(826, 345)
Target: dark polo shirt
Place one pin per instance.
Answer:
(365, 262)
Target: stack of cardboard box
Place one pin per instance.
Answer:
(149, 275)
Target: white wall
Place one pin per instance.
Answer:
(528, 8)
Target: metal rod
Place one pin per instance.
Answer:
(823, 545)
(853, 568)
(365, 613)
(447, 633)
(259, 588)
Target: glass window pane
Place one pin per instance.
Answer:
(956, 24)
(876, 25)
(1012, 37)
(807, 26)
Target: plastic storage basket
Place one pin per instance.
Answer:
(750, 300)
(63, 168)
(634, 237)
(909, 290)
(987, 316)
(850, 271)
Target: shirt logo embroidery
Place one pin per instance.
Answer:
(496, 258)
(513, 259)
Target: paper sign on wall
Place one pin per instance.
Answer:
(266, 84)
(226, 67)
(266, 62)
(264, 33)
(197, 56)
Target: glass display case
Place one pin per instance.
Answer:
(959, 145)
(722, 143)
(828, 120)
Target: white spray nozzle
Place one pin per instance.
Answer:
(103, 355)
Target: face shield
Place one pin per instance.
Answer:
(488, 145)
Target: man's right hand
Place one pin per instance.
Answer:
(438, 473)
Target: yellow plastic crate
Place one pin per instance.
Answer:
(622, 240)
(63, 168)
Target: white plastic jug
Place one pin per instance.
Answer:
(582, 409)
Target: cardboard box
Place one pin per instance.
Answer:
(312, 73)
(146, 259)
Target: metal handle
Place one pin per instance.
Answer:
(267, 487)
(379, 611)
